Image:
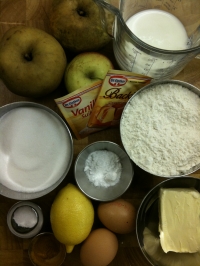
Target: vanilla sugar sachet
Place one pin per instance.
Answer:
(77, 107)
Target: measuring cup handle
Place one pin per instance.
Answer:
(195, 40)
(107, 15)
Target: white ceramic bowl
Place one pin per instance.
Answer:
(101, 193)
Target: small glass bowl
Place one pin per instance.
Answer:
(45, 249)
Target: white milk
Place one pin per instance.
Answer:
(156, 28)
(34, 149)
(159, 29)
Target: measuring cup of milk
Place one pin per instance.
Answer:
(153, 37)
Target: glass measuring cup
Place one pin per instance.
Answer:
(133, 54)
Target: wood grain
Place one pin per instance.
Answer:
(24, 12)
(13, 250)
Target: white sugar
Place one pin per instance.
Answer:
(34, 149)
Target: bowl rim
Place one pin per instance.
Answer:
(6, 192)
(109, 189)
(152, 84)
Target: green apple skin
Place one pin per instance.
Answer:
(85, 69)
(32, 62)
(76, 24)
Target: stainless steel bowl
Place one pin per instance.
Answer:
(148, 87)
(27, 196)
(97, 192)
(148, 215)
(22, 233)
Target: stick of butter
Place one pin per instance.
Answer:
(179, 225)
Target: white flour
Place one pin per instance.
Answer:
(103, 168)
(160, 130)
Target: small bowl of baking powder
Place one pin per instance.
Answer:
(160, 128)
(103, 171)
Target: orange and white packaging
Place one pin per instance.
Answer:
(117, 88)
(77, 107)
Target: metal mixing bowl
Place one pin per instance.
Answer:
(149, 87)
(148, 215)
(100, 193)
(27, 196)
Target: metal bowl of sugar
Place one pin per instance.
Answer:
(36, 150)
(103, 171)
(160, 128)
(147, 225)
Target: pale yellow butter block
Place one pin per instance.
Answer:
(179, 220)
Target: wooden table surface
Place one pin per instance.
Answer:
(13, 250)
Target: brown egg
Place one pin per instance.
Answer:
(118, 216)
(99, 248)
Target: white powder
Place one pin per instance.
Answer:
(103, 168)
(160, 130)
(25, 216)
(34, 149)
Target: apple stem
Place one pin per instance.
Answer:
(28, 57)
(81, 13)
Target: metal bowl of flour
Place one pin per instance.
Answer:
(159, 128)
(20, 167)
(97, 191)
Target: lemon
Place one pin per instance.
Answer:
(71, 216)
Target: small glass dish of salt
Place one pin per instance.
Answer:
(25, 219)
(103, 171)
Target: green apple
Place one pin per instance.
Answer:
(76, 24)
(85, 69)
(32, 62)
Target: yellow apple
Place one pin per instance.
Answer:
(85, 69)
(76, 24)
(32, 62)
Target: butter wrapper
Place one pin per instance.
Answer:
(117, 88)
(77, 107)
